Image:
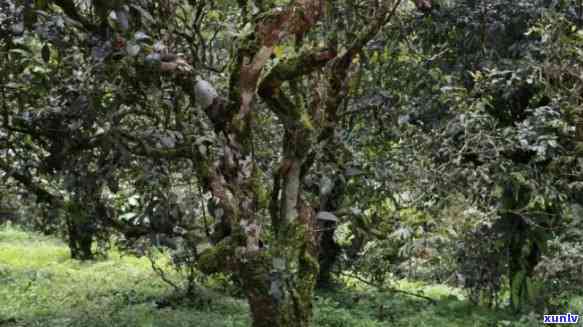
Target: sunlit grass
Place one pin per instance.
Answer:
(369, 307)
(41, 286)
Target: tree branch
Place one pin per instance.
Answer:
(70, 10)
(290, 69)
(389, 289)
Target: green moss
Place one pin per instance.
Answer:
(217, 258)
(306, 121)
(259, 189)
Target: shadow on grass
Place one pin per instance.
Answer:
(40, 286)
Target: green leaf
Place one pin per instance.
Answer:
(21, 52)
(279, 51)
(517, 285)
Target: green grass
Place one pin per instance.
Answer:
(41, 286)
(363, 307)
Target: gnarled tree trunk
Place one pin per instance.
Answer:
(278, 280)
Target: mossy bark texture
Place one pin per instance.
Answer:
(278, 280)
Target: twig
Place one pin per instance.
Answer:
(160, 272)
(389, 289)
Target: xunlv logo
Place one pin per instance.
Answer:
(561, 319)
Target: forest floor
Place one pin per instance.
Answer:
(41, 286)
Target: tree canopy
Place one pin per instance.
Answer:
(284, 142)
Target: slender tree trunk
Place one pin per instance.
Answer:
(330, 200)
(80, 239)
(79, 230)
(328, 256)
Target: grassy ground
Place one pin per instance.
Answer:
(41, 286)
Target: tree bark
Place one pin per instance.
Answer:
(80, 232)
(278, 281)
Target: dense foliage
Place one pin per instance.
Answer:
(281, 146)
